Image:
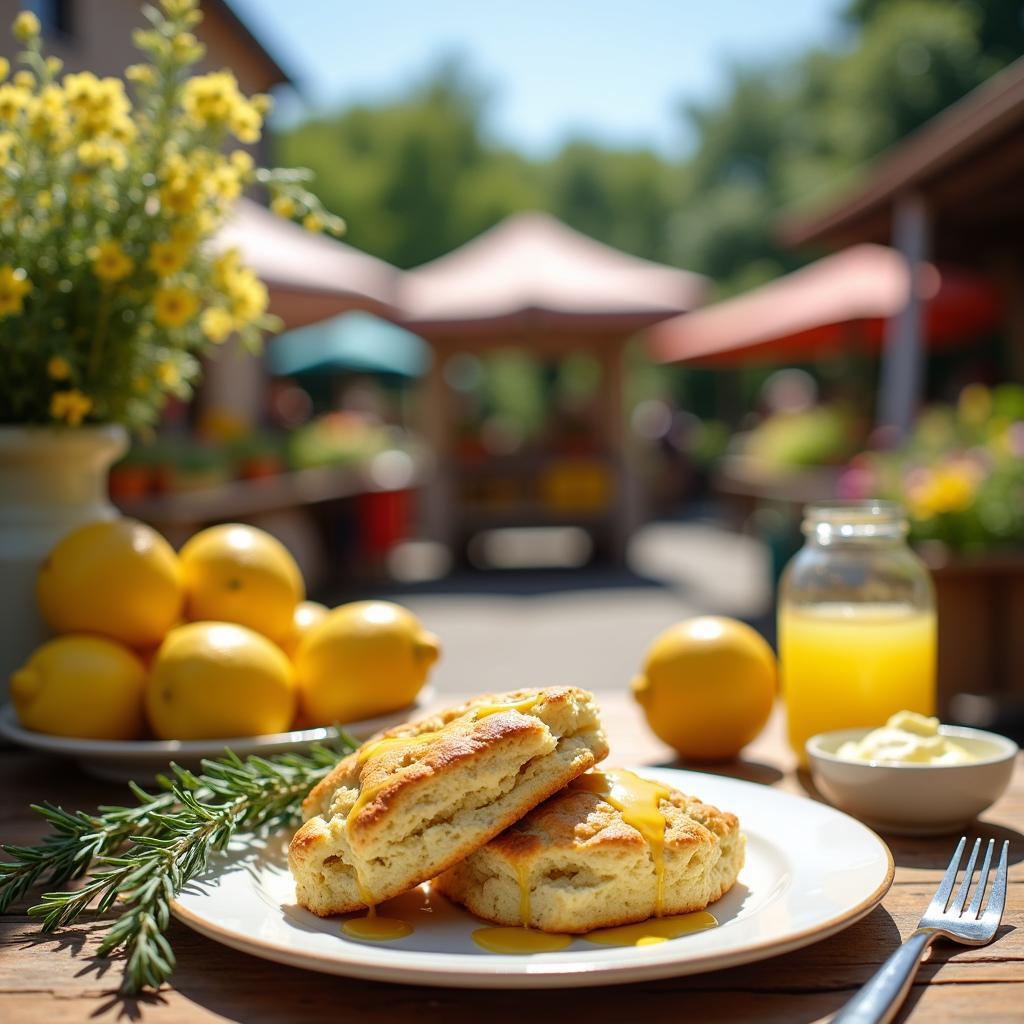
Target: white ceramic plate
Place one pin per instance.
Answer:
(810, 872)
(121, 760)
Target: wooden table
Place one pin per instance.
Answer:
(54, 978)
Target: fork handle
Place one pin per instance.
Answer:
(878, 1001)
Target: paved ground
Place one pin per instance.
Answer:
(587, 627)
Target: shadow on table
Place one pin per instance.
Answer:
(742, 768)
(798, 987)
(933, 851)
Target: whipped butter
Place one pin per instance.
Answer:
(907, 738)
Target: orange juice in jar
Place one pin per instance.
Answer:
(857, 632)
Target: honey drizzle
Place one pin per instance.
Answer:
(639, 802)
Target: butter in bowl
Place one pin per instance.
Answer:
(912, 776)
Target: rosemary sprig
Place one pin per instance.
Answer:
(142, 856)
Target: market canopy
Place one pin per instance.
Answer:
(533, 273)
(838, 304)
(354, 343)
(310, 276)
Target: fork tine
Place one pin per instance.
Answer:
(997, 900)
(957, 906)
(941, 897)
(975, 906)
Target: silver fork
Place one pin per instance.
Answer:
(878, 1001)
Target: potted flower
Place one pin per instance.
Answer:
(110, 191)
(960, 477)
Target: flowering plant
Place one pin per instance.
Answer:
(109, 197)
(961, 474)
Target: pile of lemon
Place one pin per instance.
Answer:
(212, 642)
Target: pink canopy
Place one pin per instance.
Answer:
(825, 306)
(313, 275)
(533, 273)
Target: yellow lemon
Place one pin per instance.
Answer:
(306, 616)
(363, 659)
(214, 680)
(120, 579)
(236, 573)
(707, 687)
(85, 686)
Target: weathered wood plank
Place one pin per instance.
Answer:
(55, 979)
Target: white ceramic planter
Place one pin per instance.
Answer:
(51, 480)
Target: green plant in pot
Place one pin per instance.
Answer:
(111, 192)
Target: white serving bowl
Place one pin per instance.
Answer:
(913, 799)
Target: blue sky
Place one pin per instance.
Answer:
(613, 70)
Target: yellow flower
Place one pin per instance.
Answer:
(143, 74)
(71, 406)
(224, 183)
(212, 99)
(174, 306)
(217, 324)
(13, 100)
(167, 258)
(99, 105)
(246, 123)
(26, 26)
(44, 199)
(58, 368)
(5, 68)
(241, 161)
(93, 154)
(25, 79)
(283, 206)
(110, 263)
(54, 65)
(14, 286)
(313, 222)
(168, 375)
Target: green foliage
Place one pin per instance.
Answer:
(423, 176)
(139, 858)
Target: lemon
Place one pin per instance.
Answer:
(707, 687)
(211, 680)
(237, 573)
(84, 686)
(120, 579)
(363, 659)
(306, 616)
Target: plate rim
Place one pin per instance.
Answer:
(502, 976)
(86, 747)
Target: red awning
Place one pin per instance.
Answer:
(827, 308)
(532, 272)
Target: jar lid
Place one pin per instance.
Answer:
(855, 520)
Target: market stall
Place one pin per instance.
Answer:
(533, 285)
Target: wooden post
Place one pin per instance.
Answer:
(902, 373)
(438, 497)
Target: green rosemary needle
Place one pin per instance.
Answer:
(142, 856)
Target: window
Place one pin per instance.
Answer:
(56, 16)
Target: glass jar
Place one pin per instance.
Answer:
(857, 632)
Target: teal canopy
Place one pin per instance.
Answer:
(354, 342)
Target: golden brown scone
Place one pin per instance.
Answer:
(573, 864)
(398, 812)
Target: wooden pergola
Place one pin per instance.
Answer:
(950, 192)
(535, 284)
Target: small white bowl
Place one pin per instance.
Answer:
(913, 799)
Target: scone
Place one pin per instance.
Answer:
(410, 803)
(610, 849)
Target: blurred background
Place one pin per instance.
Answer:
(622, 290)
